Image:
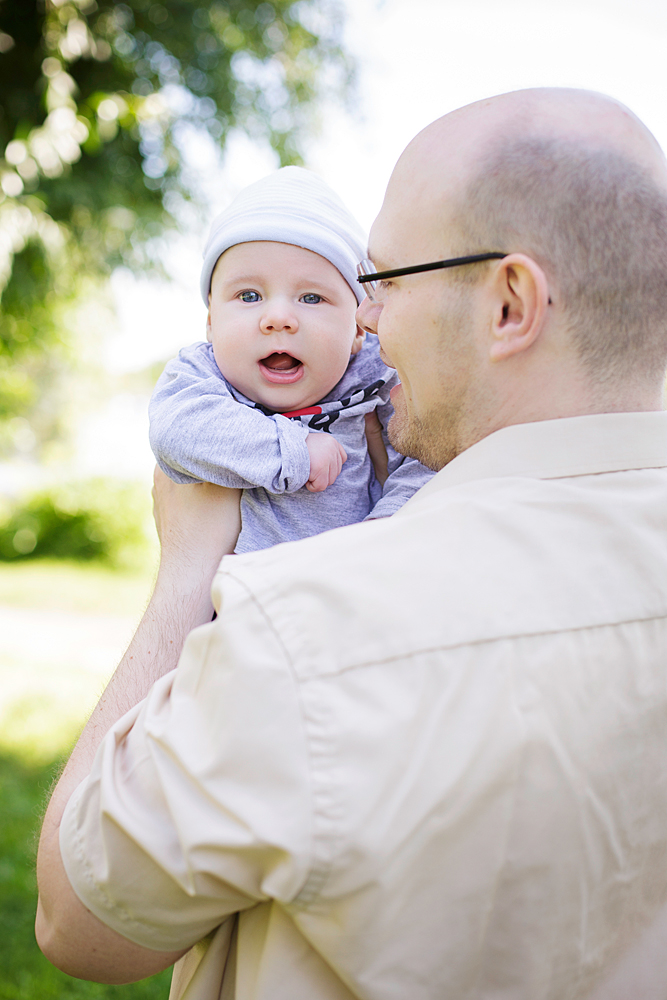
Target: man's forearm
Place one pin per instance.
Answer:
(197, 525)
(152, 653)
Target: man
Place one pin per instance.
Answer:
(422, 758)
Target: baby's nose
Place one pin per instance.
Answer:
(278, 319)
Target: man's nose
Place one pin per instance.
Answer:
(278, 317)
(367, 315)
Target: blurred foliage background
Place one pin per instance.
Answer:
(99, 102)
(96, 519)
(103, 106)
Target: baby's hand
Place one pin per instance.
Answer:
(326, 460)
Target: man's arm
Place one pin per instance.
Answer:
(197, 525)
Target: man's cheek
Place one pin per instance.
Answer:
(393, 352)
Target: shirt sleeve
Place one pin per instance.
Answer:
(406, 475)
(200, 433)
(198, 804)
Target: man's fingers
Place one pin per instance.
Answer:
(195, 519)
(376, 447)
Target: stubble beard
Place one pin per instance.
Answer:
(439, 436)
(434, 443)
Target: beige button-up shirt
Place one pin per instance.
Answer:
(423, 758)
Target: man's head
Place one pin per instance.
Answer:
(573, 188)
(279, 278)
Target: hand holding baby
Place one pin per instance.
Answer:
(284, 355)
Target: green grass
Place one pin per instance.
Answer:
(48, 693)
(88, 588)
(24, 972)
(63, 629)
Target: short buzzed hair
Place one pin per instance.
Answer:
(597, 224)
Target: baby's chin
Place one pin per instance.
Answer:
(287, 402)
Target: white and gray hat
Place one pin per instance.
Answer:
(293, 206)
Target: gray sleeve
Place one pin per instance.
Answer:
(406, 475)
(200, 433)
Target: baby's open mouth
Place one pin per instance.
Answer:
(280, 362)
(281, 368)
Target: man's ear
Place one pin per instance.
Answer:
(358, 341)
(520, 300)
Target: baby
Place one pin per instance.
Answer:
(275, 402)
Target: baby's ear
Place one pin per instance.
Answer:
(358, 341)
(208, 323)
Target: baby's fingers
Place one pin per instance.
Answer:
(319, 482)
(326, 461)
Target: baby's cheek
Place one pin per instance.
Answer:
(218, 355)
(228, 363)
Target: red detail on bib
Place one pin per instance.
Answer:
(302, 413)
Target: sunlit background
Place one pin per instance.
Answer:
(416, 60)
(413, 60)
(64, 623)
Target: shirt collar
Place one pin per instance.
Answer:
(559, 449)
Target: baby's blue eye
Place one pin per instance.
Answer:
(249, 296)
(310, 298)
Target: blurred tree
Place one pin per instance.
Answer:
(98, 103)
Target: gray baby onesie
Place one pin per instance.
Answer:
(203, 429)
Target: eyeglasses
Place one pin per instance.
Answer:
(371, 278)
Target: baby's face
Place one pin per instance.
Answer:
(281, 322)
